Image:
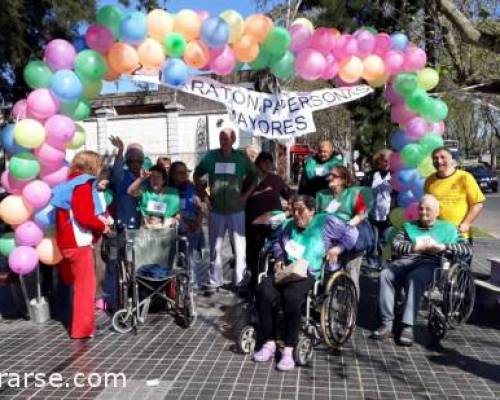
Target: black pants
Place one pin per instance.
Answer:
(256, 236)
(291, 296)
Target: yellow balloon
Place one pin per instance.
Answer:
(14, 210)
(397, 218)
(350, 69)
(188, 23)
(91, 89)
(29, 133)
(305, 22)
(426, 167)
(380, 82)
(48, 252)
(159, 23)
(236, 24)
(151, 54)
(373, 68)
(78, 138)
(428, 78)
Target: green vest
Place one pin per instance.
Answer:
(346, 201)
(442, 232)
(312, 239)
(165, 204)
(313, 168)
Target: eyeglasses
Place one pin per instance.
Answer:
(334, 175)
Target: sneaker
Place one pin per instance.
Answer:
(265, 353)
(406, 337)
(100, 304)
(384, 331)
(286, 362)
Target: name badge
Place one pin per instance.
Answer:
(156, 207)
(294, 249)
(333, 206)
(425, 241)
(321, 171)
(225, 168)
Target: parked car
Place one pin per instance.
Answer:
(485, 177)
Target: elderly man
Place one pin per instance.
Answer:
(457, 191)
(419, 245)
(226, 169)
(316, 169)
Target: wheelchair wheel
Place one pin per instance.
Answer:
(436, 324)
(123, 321)
(303, 351)
(246, 337)
(338, 310)
(459, 295)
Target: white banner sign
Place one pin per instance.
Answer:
(274, 116)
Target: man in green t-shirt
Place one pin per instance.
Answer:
(226, 169)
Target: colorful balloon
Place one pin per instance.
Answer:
(28, 234)
(411, 212)
(310, 64)
(175, 72)
(188, 23)
(401, 115)
(258, 26)
(246, 49)
(42, 104)
(350, 69)
(12, 185)
(90, 65)
(20, 109)
(37, 193)
(78, 139)
(278, 40)
(431, 142)
(99, 38)
(55, 178)
(417, 101)
(8, 142)
(405, 84)
(91, 89)
(222, 60)
(7, 243)
(23, 260)
(303, 21)
(412, 154)
(29, 133)
(48, 252)
(24, 166)
(428, 78)
(123, 58)
(393, 61)
(133, 28)
(383, 43)
(159, 24)
(236, 24)
(49, 155)
(78, 110)
(396, 216)
(436, 110)
(174, 44)
(415, 59)
(284, 67)
(373, 68)
(300, 36)
(416, 128)
(322, 40)
(197, 54)
(399, 41)
(426, 167)
(59, 54)
(214, 32)
(14, 210)
(399, 139)
(37, 74)
(66, 86)
(110, 17)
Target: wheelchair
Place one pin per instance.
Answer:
(330, 313)
(152, 264)
(450, 296)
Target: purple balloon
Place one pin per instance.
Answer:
(366, 42)
(37, 193)
(60, 130)
(28, 234)
(11, 184)
(395, 162)
(416, 128)
(400, 114)
(300, 36)
(99, 38)
(42, 104)
(23, 260)
(391, 96)
(60, 54)
(50, 155)
(323, 40)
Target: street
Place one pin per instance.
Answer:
(489, 220)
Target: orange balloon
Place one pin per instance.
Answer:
(246, 49)
(151, 54)
(48, 252)
(336, 33)
(379, 82)
(188, 23)
(373, 68)
(159, 23)
(350, 69)
(258, 26)
(111, 73)
(14, 210)
(196, 54)
(123, 58)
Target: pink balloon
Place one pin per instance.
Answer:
(415, 59)
(310, 64)
(37, 193)
(345, 46)
(416, 128)
(393, 61)
(28, 234)
(60, 130)
(23, 260)
(438, 127)
(19, 110)
(222, 60)
(59, 54)
(391, 96)
(46, 169)
(411, 212)
(396, 185)
(11, 184)
(203, 14)
(395, 162)
(331, 69)
(400, 114)
(323, 40)
(41, 104)
(300, 36)
(99, 38)
(383, 44)
(366, 42)
(55, 178)
(49, 155)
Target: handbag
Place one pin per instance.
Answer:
(293, 272)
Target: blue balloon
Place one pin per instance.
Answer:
(46, 217)
(405, 198)
(66, 86)
(79, 43)
(418, 187)
(175, 72)
(133, 28)
(8, 142)
(399, 139)
(399, 41)
(406, 176)
(214, 32)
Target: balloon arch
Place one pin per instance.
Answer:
(71, 75)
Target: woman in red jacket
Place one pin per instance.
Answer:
(79, 223)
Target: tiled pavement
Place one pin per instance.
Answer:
(165, 361)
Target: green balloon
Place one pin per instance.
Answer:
(417, 101)
(435, 111)
(397, 218)
(24, 166)
(90, 65)
(91, 89)
(7, 243)
(262, 61)
(174, 44)
(412, 154)
(405, 84)
(110, 16)
(278, 40)
(430, 142)
(77, 110)
(284, 67)
(37, 74)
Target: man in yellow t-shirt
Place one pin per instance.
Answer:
(459, 195)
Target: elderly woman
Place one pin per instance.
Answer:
(420, 245)
(303, 244)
